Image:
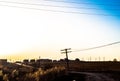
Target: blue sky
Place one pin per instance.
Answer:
(28, 32)
(111, 7)
(107, 7)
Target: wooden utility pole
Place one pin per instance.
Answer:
(66, 51)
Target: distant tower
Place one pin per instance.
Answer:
(90, 58)
(99, 58)
(95, 59)
(39, 60)
(103, 58)
(82, 59)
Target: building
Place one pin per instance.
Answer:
(32, 61)
(3, 61)
(42, 61)
(25, 61)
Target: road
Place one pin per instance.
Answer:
(94, 76)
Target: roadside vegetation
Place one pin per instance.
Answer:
(20, 73)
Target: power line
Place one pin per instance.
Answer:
(82, 2)
(97, 47)
(59, 11)
(56, 6)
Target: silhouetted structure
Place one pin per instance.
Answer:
(42, 61)
(3, 61)
(32, 61)
(25, 61)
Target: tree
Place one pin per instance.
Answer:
(77, 59)
(114, 60)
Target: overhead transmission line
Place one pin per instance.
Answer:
(46, 5)
(97, 47)
(82, 2)
(60, 11)
(68, 50)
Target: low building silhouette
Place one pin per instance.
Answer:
(3, 61)
(32, 61)
(25, 61)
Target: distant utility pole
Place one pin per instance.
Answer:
(90, 58)
(39, 61)
(66, 51)
(99, 59)
(103, 58)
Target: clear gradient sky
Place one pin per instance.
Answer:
(29, 33)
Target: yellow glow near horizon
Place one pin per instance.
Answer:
(26, 33)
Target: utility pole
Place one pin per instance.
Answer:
(66, 51)
(39, 61)
(99, 59)
(90, 58)
(103, 58)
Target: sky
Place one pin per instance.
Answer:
(39, 28)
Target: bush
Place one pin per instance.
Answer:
(46, 75)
